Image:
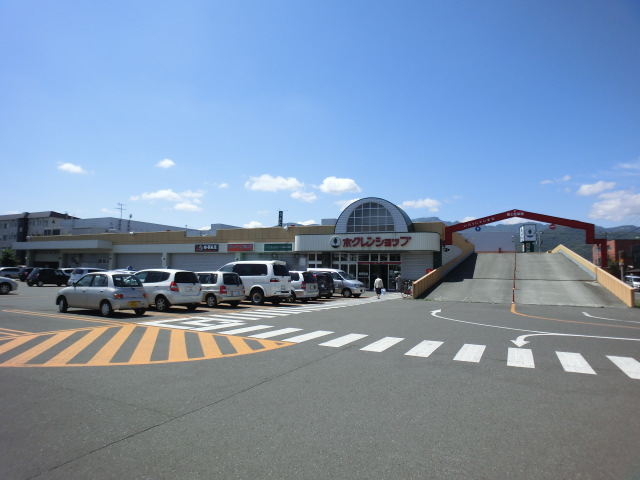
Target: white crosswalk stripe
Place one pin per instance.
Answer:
(275, 333)
(382, 345)
(344, 340)
(424, 349)
(574, 363)
(308, 336)
(520, 357)
(628, 365)
(470, 353)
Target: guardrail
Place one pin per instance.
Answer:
(616, 286)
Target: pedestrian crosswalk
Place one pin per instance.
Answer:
(239, 324)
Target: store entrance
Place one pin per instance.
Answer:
(383, 271)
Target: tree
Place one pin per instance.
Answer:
(8, 258)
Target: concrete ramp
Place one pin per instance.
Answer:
(540, 279)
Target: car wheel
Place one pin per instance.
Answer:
(162, 304)
(292, 298)
(346, 293)
(62, 304)
(40, 283)
(211, 300)
(356, 295)
(106, 310)
(140, 311)
(257, 297)
(304, 300)
(234, 304)
(192, 306)
(5, 288)
(30, 283)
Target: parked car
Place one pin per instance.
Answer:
(168, 286)
(263, 279)
(326, 287)
(24, 273)
(10, 272)
(78, 273)
(304, 286)
(633, 280)
(42, 276)
(221, 287)
(345, 283)
(67, 270)
(107, 292)
(7, 285)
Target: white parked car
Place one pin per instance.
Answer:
(262, 279)
(10, 272)
(633, 280)
(221, 287)
(7, 285)
(77, 273)
(107, 292)
(304, 286)
(167, 287)
(345, 283)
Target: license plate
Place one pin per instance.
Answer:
(189, 288)
(234, 293)
(133, 304)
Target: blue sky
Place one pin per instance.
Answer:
(197, 112)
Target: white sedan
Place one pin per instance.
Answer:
(7, 285)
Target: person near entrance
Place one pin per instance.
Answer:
(398, 283)
(378, 285)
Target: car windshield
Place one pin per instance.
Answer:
(280, 270)
(126, 281)
(347, 276)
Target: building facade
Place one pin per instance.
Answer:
(371, 237)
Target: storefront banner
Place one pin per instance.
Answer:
(206, 247)
(387, 242)
(240, 247)
(278, 247)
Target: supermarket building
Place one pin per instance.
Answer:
(371, 237)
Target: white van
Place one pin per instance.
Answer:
(262, 279)
(344, 282)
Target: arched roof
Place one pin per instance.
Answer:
(371, 214)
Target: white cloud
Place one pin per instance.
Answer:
(595, 188)
(223, 185)
(428, 203)
(308, 222)
(565, 178)
(616, 206)
(514, 221)
(253, 224)
(342, 204)
(166, 163)
(71, 168)
(187, 201)
(267, 183)
(635, 165)
(337, 186)
(466, 219)
(307, 197)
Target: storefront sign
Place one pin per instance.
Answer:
(359, 242)
(240, 247)
(207, 247)
(278, 247)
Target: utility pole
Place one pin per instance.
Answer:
(121, 208)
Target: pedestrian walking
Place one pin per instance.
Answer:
(378, 285)
(398, 283)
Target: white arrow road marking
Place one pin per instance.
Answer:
(520, 341)
(609, 319)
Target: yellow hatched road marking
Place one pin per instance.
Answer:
(38, 349)
(142, 351)
(72, 350)
(106, 353)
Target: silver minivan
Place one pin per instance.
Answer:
(262, 279)
(345, 283)
(221, 287)
(304, 286)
